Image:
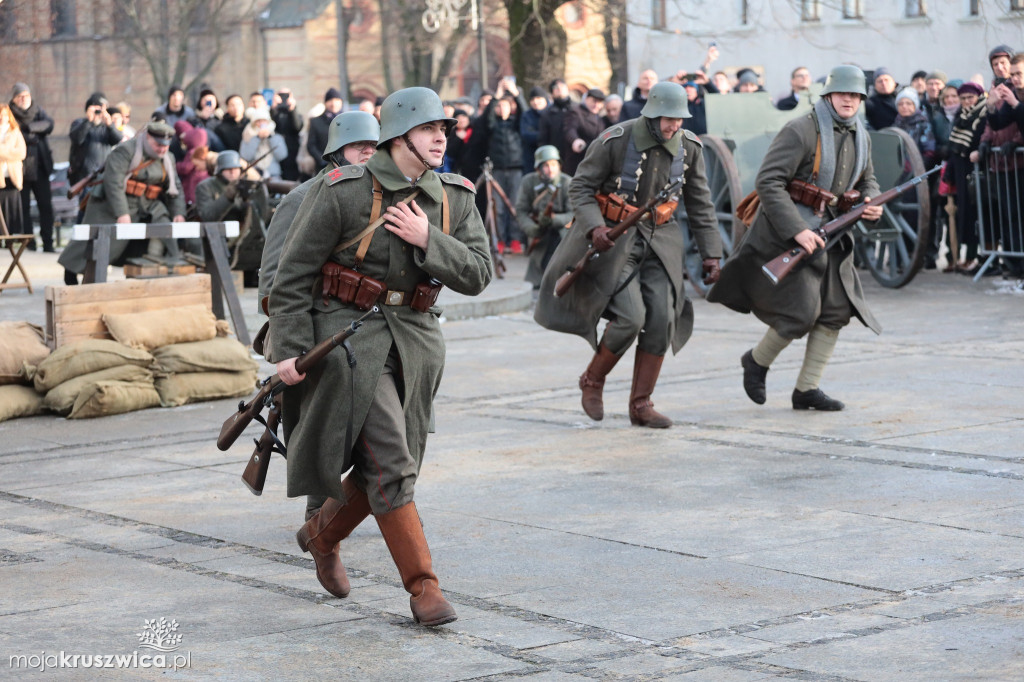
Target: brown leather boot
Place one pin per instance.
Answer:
(403, 534)
(323, 533)
(646, 368)
(592, 381)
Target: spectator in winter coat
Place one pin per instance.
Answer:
(913, 121)
(35, 126)
(259, 138)
(631, 109)
(233, 124)
(582, 126)
(289, 126)
(799, 82)
(92, 138)
(612, 110)
(192, 167)
(880, 106)
(208, 118)
(316, 140)
(529, 125)
(175, 109)
(552, 120)
(505, 150)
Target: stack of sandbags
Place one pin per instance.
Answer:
(96, 378)
(21, 349)
(194, 361)
(203, 370)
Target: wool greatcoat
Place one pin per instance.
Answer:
(336, 209)
(580, 309)
(108, 200)
(534, 195)
(795, 305)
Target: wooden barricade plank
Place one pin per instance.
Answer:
(75, 312)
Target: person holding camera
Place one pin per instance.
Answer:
(289, 124)
(92, 138)
(208, 117)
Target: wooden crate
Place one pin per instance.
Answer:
(74, 312)
(132, 271)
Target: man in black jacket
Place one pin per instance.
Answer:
(631, 109)
(289, 124)
(551, 121)
(505, 150)
(320, 126)
(582, 126)
(880, 107)
(35, 125)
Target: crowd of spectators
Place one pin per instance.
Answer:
(957, 121)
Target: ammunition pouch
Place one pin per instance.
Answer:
(134, 188)
(354, 288)
(812, 196)
(848, 200)
(614, 208)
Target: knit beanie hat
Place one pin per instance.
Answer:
(911, 94)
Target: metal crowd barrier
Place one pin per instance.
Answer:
(1000, 195)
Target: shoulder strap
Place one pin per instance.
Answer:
(141, 166)
(445, 220)
(378, 199)
(375, 222)
(817, 160)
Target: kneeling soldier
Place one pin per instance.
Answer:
(543, 209)
(389, 234)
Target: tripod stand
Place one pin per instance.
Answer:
(491, 187)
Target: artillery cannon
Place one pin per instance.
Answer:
(741, 126)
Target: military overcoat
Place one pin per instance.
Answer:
(793, 306)
(534, 195)
(108, 200)
(336, 208)
(580, 310)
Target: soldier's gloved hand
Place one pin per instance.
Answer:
(599, 238)
(711, 270)
(231, 191)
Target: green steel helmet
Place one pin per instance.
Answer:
(666, 99)
(405, 109)
(845, 78)
(547, 152)
(352, 126)
(227, 159)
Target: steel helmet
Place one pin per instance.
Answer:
(544, 153)
(352, 126)
(666, 99)
(404, 110)
(227, 159)
(845, 78)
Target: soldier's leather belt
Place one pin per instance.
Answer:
(614, 208)
(817, 199)
(135, 188)
(354, 288)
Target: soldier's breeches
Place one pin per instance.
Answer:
(645, 308)
(381, 462)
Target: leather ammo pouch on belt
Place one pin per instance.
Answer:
(350, 287)
(614, 208)
(812, 196)
(425, 295)
(137, 189)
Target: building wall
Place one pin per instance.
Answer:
(774, 37)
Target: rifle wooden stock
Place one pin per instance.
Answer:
(569, 278)
(779, 267)
(77, 188)
(255, 474)
(236, 423)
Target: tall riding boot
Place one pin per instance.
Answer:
(323, 533)
(646, 368)
(403, 534)
(592, 381)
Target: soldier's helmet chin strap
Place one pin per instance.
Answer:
(412, 148)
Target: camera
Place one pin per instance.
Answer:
(284, 97)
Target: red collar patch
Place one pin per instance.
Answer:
(468, 184)
(335, 174)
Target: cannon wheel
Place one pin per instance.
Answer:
(724, 183)
(894, 249)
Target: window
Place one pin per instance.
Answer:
(972, 8)
(658, 19)
(810, 10)
(744, 12)
(916, 8)
(7, 23)
(1017, 5)
(62, 18)
(853, 9)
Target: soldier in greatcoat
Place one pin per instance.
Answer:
(637, 282)
(351, 140)
(139, 185)
(230, 195)
(820, 297)
(547, 186)
(431, 233)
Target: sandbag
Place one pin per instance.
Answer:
(61, 398)
(19, 401)
(104, 398)
(156, 328)
(21, 344)
(181, 389)
(220, 354)
(85, 357)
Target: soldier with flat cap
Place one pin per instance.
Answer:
(351, 140)
(830, 149)
(390, 233)
(139, 185)
(543, 209)
(637, 283)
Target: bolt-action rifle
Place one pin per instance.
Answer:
(777, 268)
(87, 181)
(566, 281)
(256, 470)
